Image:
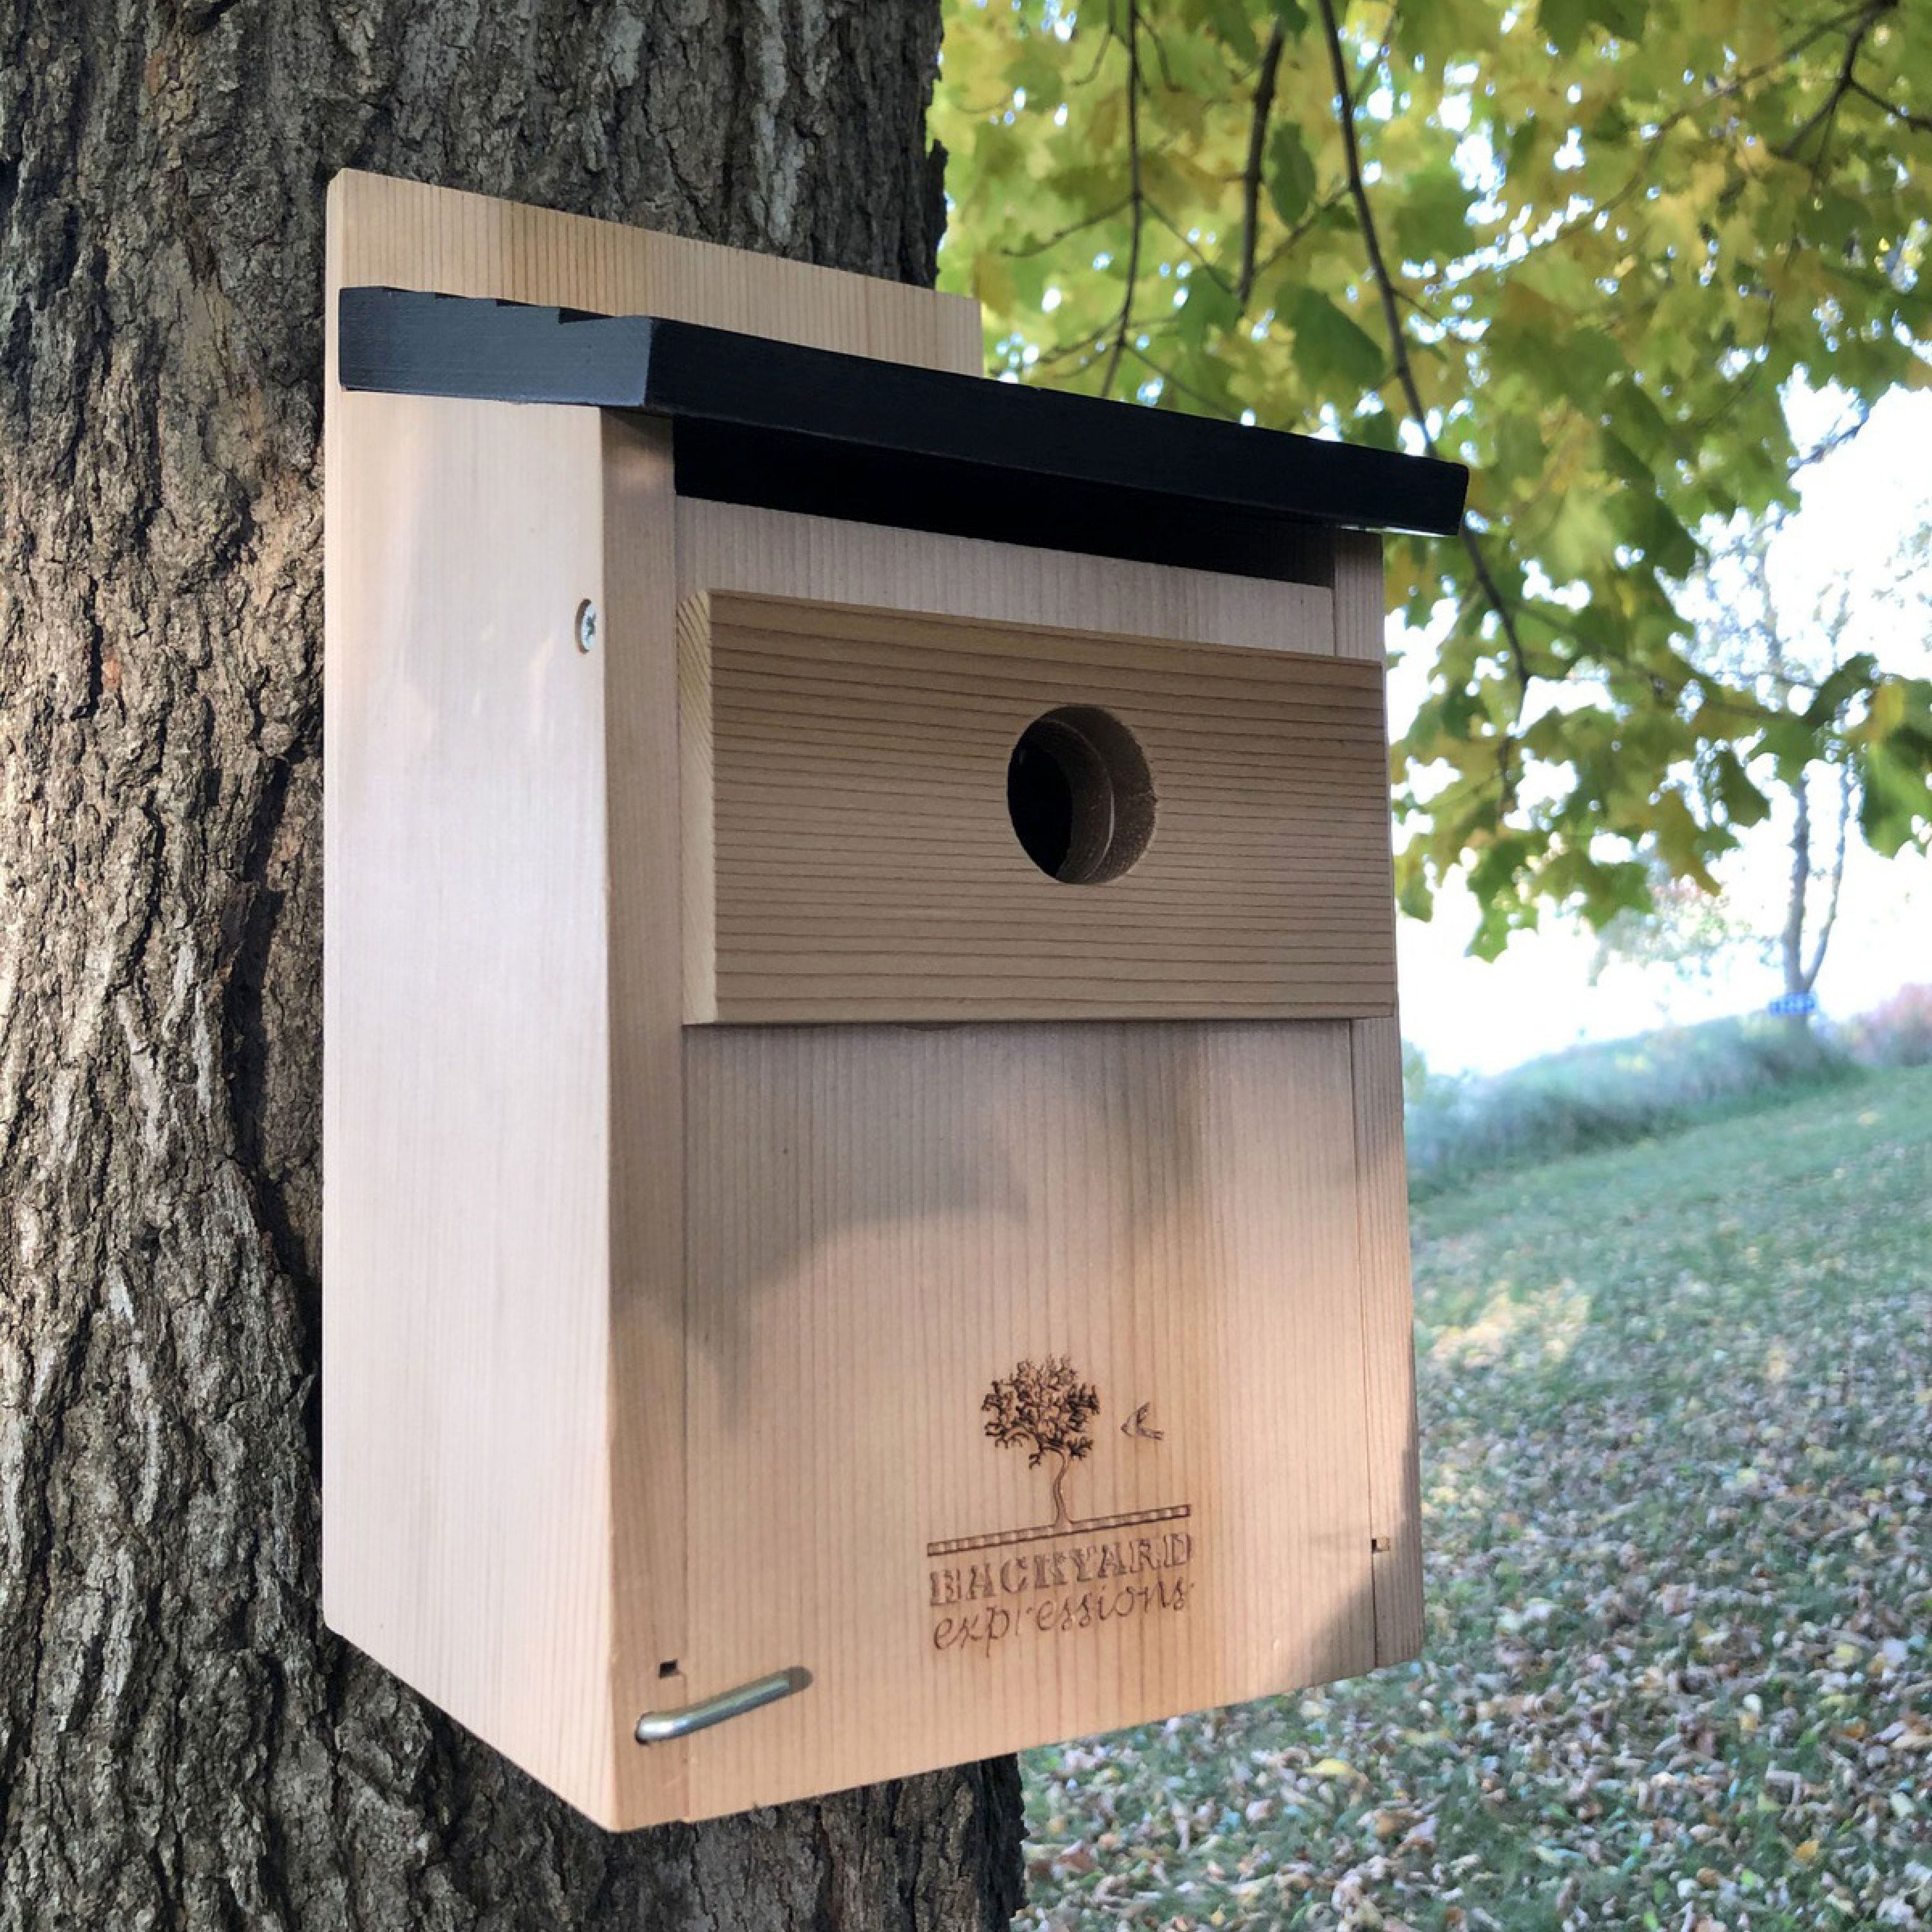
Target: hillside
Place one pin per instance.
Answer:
(1676, 1407)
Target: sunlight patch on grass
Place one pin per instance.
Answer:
(1547, 1322)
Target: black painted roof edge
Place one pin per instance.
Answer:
(932, 428)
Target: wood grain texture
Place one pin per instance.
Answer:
(862, 865)
(646, 1313)
(876, 1212)
(504, 1368)
(651, 1346)
(885, 1220)
(1382, 1185)
(780, 553)
(466, 1404)
(406, 235)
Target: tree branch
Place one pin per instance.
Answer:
(1205, 263)
(1139, 212)
(1723, 91)
(1302, 228)
(1828, 111)
(1083, 353)
(1251, 176)
(1365, 219)
(1791, 941)
(1072, 228)
(1405, 368)
(1846, 432)
(1168, 380)
(1922, 123)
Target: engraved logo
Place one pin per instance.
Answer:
(988, 1593)
(1045, 1407)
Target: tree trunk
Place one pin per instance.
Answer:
(181, 1743)
(1061, 1520)
(1791, 942)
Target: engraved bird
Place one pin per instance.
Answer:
(1136, 1424)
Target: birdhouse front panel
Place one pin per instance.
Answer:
(864, 1210)
(1026, 1386)
(863, 783)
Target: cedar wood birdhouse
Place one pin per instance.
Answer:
(864, 1209)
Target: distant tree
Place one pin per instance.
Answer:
(1752, 641)
(1797, 655)
(1046, 1407)
(1583, 245)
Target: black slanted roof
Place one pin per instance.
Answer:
(786, 428)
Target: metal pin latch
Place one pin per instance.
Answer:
(659, 1727)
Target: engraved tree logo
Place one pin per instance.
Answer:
(1045, 1407)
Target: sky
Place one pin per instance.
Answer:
(1471, 1014)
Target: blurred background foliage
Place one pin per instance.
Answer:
(1582, 246)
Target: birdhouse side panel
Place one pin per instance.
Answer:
(647, 1087)
(1381, 1167)
(467, 1372)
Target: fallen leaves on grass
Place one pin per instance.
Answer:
(1677, 1439)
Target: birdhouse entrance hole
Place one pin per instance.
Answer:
(1080, 795)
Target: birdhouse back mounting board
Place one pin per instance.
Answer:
(864, 1210)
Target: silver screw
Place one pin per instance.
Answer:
(586, 626)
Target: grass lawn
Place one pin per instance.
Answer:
(1676, 1406)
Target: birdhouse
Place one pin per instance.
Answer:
(865, 1219)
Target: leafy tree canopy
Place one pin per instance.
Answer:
(1044, 1404)
(1581, 245)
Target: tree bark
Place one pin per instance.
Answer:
(180, 1742)
(1791, 942)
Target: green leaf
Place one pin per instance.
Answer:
(1563, 22)
(1626, 19)
(1519, 446)
(1333, 344)
(1290, 173)
(1896, 801)
(1787, 740)
(1578, 537)
(1230, 21)
(1742, 802)
(1431, 222)
(1380, 430)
